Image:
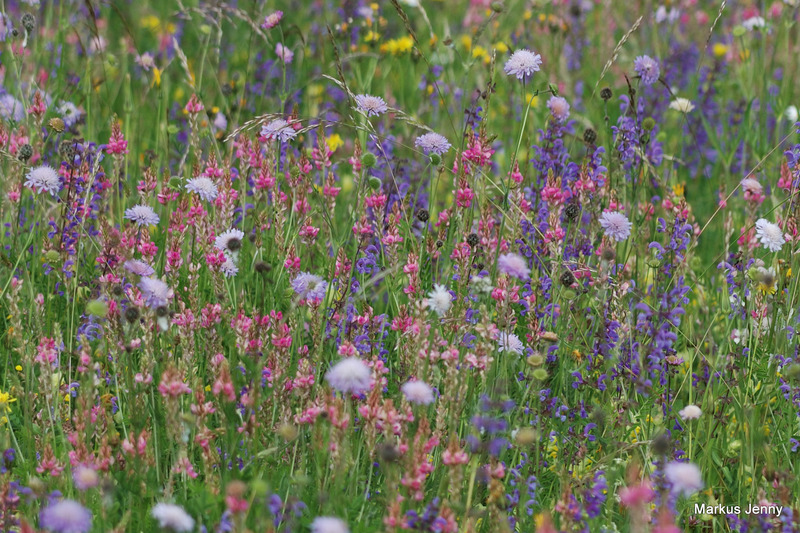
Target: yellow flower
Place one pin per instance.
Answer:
(5, 400)
(719, 49)
(156, 77)
(18, 368)
(334, 142)
(679, 189)
(480, 52)
(466, 42)
(501, 47)
(372, 36)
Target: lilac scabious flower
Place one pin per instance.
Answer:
(616, 225)
(418, 392)
(155, 292)
(11, 108)
(514, 265)
(559, 108)
(278, 129)
(44, 178)
(439, 300)
(432, 143)
(140, 268)
(685, 478)
(66, 516)
(85, 477)
(770, 235)
(372, 106)
(310, 287)
(229, 268)
(229, 241)
(509, 342)
(647, 69)
(142, 215)
(69, 113)
(284, 53)
(203, 187)
(328, 524)
(523, 64)
(173, 518)
(350, 376)
(272, 20)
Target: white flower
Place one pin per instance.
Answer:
(616, 225)
(173, 517)
(791, 113)
(69, 113)
(681, 104)
(690, 412)
(230, 241)
(372, 106)
(523, 64)
(328, 524)
(203, 187)
(44, 178)
(350, 375)
(229, 268)
(439, 300)
(770, 235)
(684, 477)
(418, 392)
(739, 336)
(142, 215)
(481, 284)
(278, 129)
(753, 23)
(509, 342)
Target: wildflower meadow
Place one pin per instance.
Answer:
(447, 266)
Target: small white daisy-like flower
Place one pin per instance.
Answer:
(439, 300)
(523, 64)
(509, 342)
(770, 235)
(481, 284)
(681, 104)
(203, 187)
(754, 23)
(514, 265)
(329, 524)
(372, 106)
(791, 113)
(278, 129)
(142, 215)
(685, 478)
(155, 292)
(146, 61)
(173, 517)
(418, 392)
(230, 241)
(616, 225)
(140, 268)
(229, 268)
(350, 376)
(432, 143)
(690, 412)
(44, 178)
(559, 108)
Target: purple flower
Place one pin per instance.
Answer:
(140, 268)
(142, 215)
(432, 143)
(44, 178)
(523, 64)
(155, 292)
(647, 69)
(278, 129)
(372, 106)
(203, 187)
(418, 392)
(284, 53)
(616, 225)
(66, 516)
(514, 265)
(351, 375)
(310, 287)
(559, 108)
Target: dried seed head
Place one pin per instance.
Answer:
(473, 240)
(606, 94)
(25, 152)
(423, 215)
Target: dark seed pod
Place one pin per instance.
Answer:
(608, 254)
(439, 244)
(572, 211)
(478, 266)
(28, 22)
(423, 215)
(131, 314)
(606, 94)
(234, 245)
(473, 240)
(261, 267)
(567, 278)
(162, 311)
(25, 152)
(388, 453)
(661, 444)
(589, 136)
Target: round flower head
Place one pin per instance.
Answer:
(284, 53)
(229, 268)
(647, 69)
(44, 178)
(432, 143)
(690, 412)
(685, 478)
(140, 268)
(278, 129)
(203, 187)
(69, 113)
(509, 342)
(155, 292)
(350, 376)
(142, 215)
(11, 108)
(616, 225)
(230, 241)
(310, 287)
(272, 20)
(514, 265)
(522, 64)
(418, 392)
(559, 108)
(372, 106)
(681, 104)
(770, 235)
(173, 518)
(85, 477)
(328, 524)
(66, 516)
(439, 300)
